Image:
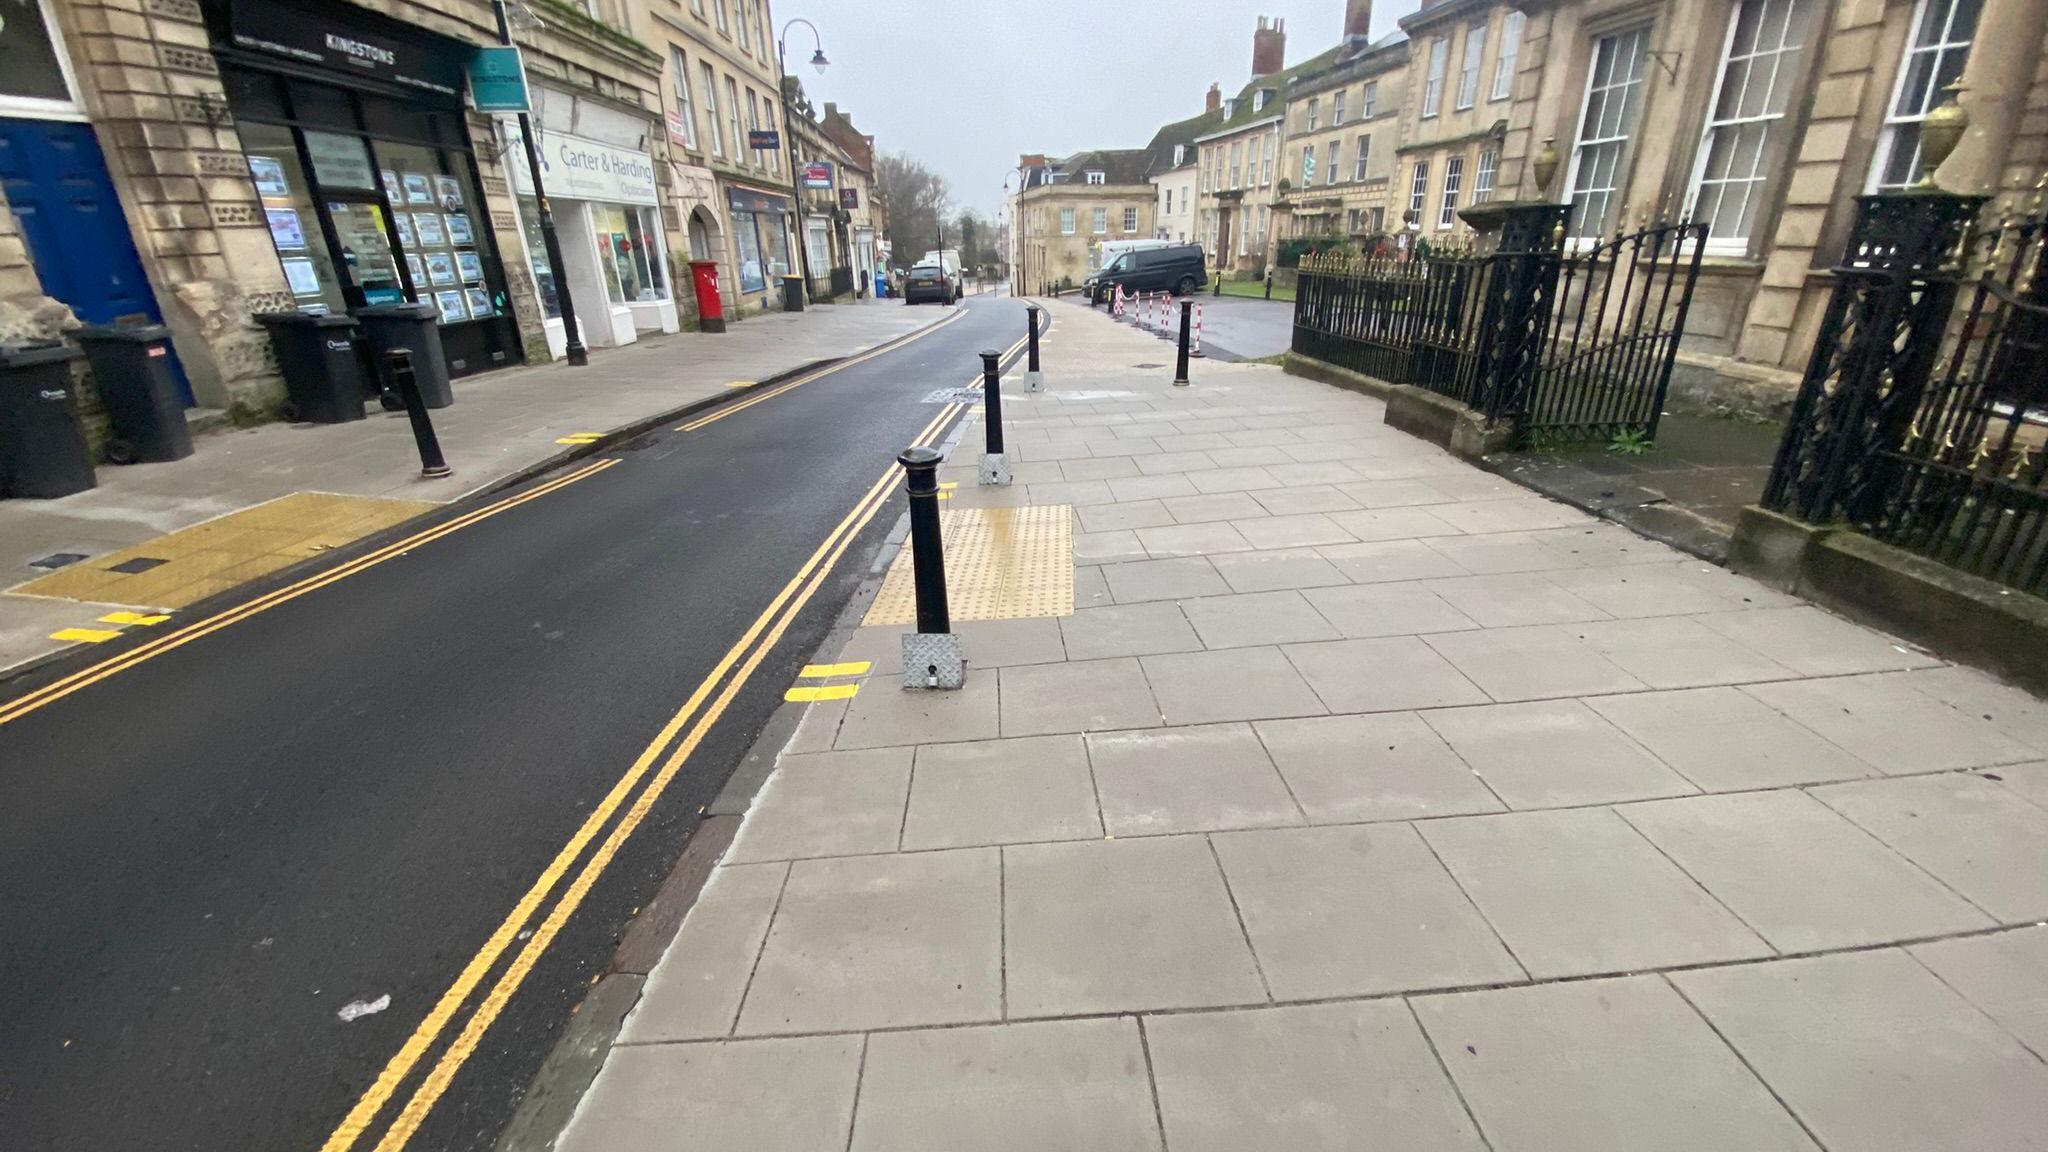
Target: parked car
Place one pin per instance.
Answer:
(1178, 268)
(930, 282)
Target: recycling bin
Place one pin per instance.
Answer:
(131, 364)
(323, 375)
(417, 329)
(42, 448)
(792, 293)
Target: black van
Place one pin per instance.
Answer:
(1176, 267)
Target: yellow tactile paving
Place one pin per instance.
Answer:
(1001, 564)
(215, 556)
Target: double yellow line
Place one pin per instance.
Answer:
(746, 656)
(723, 411)
(85, 677)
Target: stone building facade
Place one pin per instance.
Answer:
(1067, 207)
(1463, 59)
(1241, 178)
(1344, 127)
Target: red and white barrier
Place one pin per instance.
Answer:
(1195, 344)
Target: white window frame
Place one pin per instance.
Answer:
(1236, 162)
(42, 108)
(710, 95)
(1180, 152)
(1618, 174)
(1094, 177)
(1510, 52)
(1098, 221)
(1333, 153)
(1782, 75)
(1272, 150)
(732, 115)
(1369, 100)
(1130, 218)
(1312, 102)
(1454, 180)
(1433, 83)
(719, 14)
(1897, 125)
(685, 111)
(1358, 162)
(768, 120)
(1418, 190)
(1066, 221)
(754, 121)
(1308, 165)
(1336, 107)
(1482, 180)
(1468, 65)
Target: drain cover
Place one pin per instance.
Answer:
(138, 564)
(57, 560)
(948, 395)
(1148, 365)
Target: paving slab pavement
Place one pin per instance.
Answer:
(501, 424)
(1362, 801)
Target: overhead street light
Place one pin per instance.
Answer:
(796, 178)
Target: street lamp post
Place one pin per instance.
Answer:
(1020, 273)
(796, 180)
(572, 336)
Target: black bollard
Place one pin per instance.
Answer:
(927, 551)
(994, 469)
(1216, 289)
(432, 465)
(1033, 382)
(1180, 361)
(1269, 284)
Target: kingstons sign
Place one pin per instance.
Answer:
(324, 37)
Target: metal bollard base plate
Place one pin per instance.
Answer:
(933, 660)
(994, 469)
(1034, 381)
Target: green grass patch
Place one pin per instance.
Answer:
(1256, 289)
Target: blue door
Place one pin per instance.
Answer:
(57, 183)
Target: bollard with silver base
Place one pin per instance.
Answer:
(432, 465)
(931, 655)
(994, 469)
(1034, 381)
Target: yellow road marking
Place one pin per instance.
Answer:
(948, 485)
(84, 635)
(849, 362)
(580, 438)
(84, 677)
(741, 383)
(821, 692)
(821, 671)
(436, 1082)
(132, 618)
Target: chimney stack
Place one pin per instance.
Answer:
(1269, 47)
(1215, 98)
(1357, 19)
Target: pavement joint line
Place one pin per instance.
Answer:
(879, 350)
(1904, 945)
(811, 577)
(64, 686)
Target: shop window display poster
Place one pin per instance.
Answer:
(302, 277)
(440, 268)
(417, 190)
(470, 266)
(404, 225)
(392, 191)
(458, 229)
(479, 303)
(269, 176)
(452, 310)
(428, 227)
(450, 189)
(286, 230)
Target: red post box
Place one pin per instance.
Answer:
(710, 309)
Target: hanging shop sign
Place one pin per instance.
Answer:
(764, 139)
(497, 80)
(579, 168)
(818, 174)
(323, 37)
(849, 198)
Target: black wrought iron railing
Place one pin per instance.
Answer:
(1923, 416)
(1579, 343)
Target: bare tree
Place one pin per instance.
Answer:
(918, 199)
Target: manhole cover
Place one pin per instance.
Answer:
(948, 395)
(57, 560)
(1148, 365)
(138, 564)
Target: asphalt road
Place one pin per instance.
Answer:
(340, 798)
(1237, 328)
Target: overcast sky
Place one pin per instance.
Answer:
(968, 85)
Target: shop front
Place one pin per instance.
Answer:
(760, 238)
(608, 221)
(355, 138)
